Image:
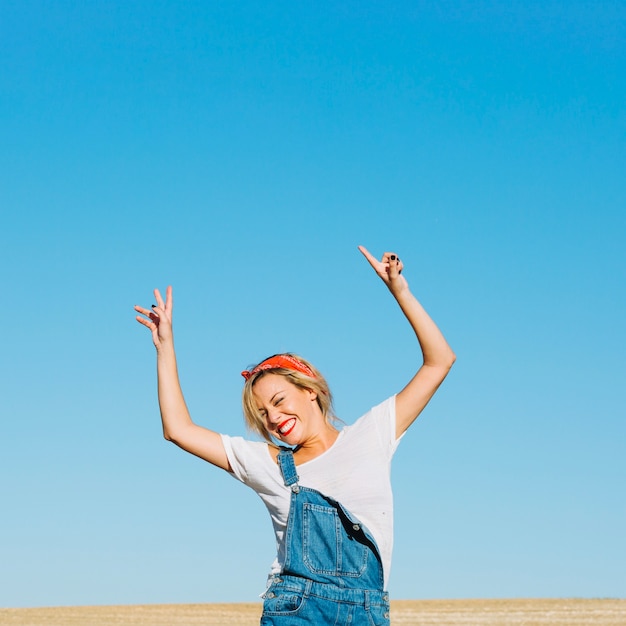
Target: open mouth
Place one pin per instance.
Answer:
(287, 426)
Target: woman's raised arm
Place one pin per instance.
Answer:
(177, 424)
(437, 355)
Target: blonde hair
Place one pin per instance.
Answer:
(317, 383)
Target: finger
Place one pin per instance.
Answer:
(159, 299)
(169, 299)
(389, 258)
(141, 310)
(373, 261)
(146, 322)
(393, 265)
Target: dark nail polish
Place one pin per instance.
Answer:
(393, 257)
(153, 306)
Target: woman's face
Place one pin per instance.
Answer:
(291, 414)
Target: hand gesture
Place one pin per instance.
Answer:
(159, 319)
(389, 268)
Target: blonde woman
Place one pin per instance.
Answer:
(327, 489)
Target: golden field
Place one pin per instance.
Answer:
(552, 612)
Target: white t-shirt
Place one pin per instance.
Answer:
(355, 471)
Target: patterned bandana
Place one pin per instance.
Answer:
(280, 361)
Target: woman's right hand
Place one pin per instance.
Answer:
(177, 424)
(159, 319)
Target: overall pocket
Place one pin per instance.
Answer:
(283, 599)
(327, 547)
(378, 615)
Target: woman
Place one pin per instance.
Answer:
(328, 492)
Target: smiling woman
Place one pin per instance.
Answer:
(328, 491)
(294, 369)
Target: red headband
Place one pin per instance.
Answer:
(280, 361)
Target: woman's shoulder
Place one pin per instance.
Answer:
(382, 412)
(247, 457)
(377, 424)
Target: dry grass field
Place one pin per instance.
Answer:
(575, 612)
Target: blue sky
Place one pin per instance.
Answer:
(241, 152)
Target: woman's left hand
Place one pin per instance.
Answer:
(437, 355)
(389, 268)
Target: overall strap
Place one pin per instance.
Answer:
(287, 467)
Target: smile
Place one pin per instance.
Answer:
(287, 426)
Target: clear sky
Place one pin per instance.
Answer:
(240, 151)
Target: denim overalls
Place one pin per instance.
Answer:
(332, 574)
